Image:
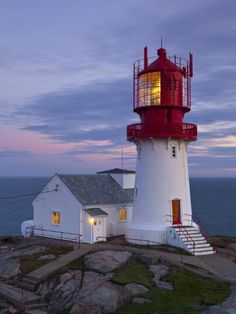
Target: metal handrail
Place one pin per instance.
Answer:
(204, 231)
(131, 239)
(186, 233)
(182, 130)
(62, 234)
(188, 236)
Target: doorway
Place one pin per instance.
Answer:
(176, 212)
(98, 234)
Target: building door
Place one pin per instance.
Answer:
(176, 212)
(98, 234)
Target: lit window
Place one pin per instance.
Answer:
(123, 214)
(56, 218)
(149, 89)
(173, 151)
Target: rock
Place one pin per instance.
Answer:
(9, 268)
(108, 297)
(92, 281)
(98, 295)
(26, 251)
(133, 289)
(46, 257)
(164, 285)
(64, 294)
(159, 271)
(106, 261)
(141, 300)
(82, 307)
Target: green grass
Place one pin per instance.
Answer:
(29, 263)
(163, 248)
(133, 271)
(191, 294)
(222, 241)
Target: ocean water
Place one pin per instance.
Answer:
(213, 202)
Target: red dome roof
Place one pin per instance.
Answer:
(161, 64)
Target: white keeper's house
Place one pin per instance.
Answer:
(86, 208)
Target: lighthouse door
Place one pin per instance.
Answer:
(176, 212)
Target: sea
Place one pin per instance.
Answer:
(213, 203)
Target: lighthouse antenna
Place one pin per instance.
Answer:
(122, 157)
(161, 41)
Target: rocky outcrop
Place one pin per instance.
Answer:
(133, 289)
(107, 298)
(9, 268)
(106, 261)
(60, 292)
(159, 271)
(25, 251)
(141, 300)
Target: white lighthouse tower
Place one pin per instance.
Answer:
(162, 212)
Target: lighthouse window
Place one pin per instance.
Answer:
(173, 151)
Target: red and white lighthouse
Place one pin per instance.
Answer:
(162, 210)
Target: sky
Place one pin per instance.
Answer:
(66, 81)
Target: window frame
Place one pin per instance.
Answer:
(57, 212)
(123, 214)
(173, 151)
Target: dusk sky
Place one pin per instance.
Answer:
(66, 81)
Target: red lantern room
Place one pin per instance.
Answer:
(161, 97)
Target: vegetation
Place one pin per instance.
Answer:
(191, 294)
(164, 248)
(133, 271)
(222, 241)
(77, 264)
(29, 263)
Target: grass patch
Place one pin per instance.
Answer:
(133, 271)
(29, 263)
(163, 248)
(191, 294)
(77, 264)
(222, 241)
(58, 250)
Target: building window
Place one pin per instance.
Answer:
(123, 214)
(173, 151)
(56, 218)
(135, 193)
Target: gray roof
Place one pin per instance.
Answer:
(97, 189)
(117, 170)
(96, 212)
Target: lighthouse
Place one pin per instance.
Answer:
(162, 212)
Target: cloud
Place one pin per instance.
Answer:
(14, 154)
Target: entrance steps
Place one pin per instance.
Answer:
(194, 241)
(15, 295)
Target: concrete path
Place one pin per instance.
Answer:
(46, 270)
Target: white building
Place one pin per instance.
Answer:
(88, 208)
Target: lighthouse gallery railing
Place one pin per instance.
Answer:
(141, 130)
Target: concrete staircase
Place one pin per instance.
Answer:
(194, 241)
(29, 283)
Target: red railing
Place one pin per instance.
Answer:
(184, 231)
(142, 130)
(202, 228)
(182, 63)
(204, 231)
